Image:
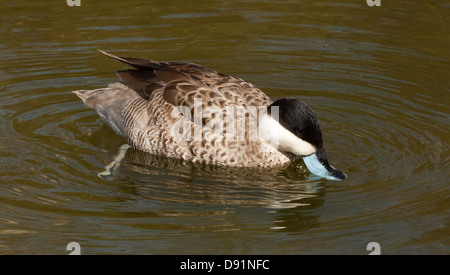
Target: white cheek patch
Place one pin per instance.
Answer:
(282, 139)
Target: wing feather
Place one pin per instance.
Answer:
(182, 82)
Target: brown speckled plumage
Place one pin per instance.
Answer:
(142, 111)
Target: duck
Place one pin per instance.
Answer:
(190, 112)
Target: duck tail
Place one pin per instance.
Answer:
(109, 103)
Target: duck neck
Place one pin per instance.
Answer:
(272, 132)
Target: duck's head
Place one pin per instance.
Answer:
(295, 128)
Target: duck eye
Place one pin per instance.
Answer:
(300, 132)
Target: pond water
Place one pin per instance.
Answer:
(377, 78)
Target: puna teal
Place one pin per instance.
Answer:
(190, 112)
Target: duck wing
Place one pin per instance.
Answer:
(182, 82)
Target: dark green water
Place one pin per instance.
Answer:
(376, 76)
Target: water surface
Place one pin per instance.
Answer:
(377, 78)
